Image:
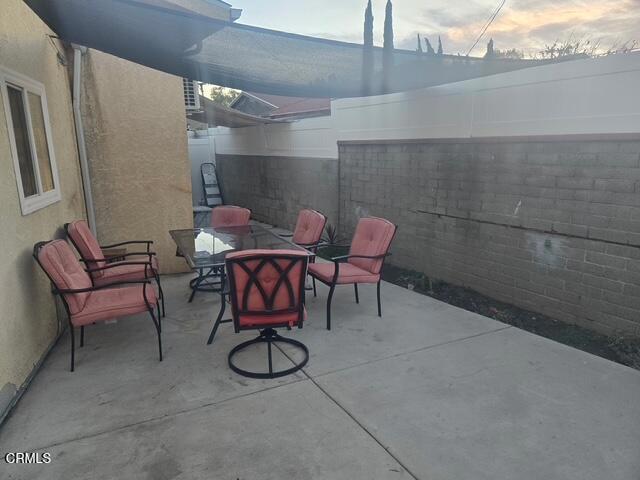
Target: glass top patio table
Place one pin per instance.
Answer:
(208, 247)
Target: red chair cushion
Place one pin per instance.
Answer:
(372, 237)
(66, 271)
(229, 216)
(267, 278)
(114, 302)
(309, 227)
(87, 244)
(124, 272)
(348, 273)
(260, 321)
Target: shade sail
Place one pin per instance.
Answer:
(246, 57)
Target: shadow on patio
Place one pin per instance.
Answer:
(427, 391)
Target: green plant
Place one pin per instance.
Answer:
(331, 235)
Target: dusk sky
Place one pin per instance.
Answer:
(523, 24)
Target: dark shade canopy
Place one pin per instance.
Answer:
(245, 57)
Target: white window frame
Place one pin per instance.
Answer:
(42, 199)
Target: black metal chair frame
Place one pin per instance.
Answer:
(62, 292)
(148, 263)
(312, 247)
(268, 334)
(332, 285)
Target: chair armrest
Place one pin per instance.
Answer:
(335, 245)
(130, 242)
(93, 260)
(307, 245)
(148, 254)
(113, 265)
(114, 253)
(370, 257)
(101, 287)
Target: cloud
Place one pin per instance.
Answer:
(529, 25)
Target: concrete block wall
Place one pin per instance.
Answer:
(551, 226)
(275, 188)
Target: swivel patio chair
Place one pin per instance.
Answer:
(266, 288)
(86, 303)
(229, 216)
(144, 265)
(369, 247)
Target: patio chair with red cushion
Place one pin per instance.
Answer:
(369, 247)
(144, 265)
(229, 216)
(266, 289)
(309, 227)
(86, 303)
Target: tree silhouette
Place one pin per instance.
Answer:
(367, 51)
(419, 49)
(430, 50)
(489, 53)
(387, 53)
(440, 52)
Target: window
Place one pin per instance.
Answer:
(25, 107)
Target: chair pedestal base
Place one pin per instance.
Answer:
(268, 336)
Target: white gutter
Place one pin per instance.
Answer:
(82, 147)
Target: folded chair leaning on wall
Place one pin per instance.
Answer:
(266, 289)
(369, 247)
(144, 265)
(85, 303)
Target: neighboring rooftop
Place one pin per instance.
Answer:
(278, 106)
(212, 114)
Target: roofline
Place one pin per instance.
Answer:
(316, 113)
(254, 97)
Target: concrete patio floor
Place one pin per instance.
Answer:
(429, 391)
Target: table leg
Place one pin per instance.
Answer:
(194, 287)
(223, 306)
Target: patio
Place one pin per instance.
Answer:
(427, 391)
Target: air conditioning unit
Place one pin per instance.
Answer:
(191, 95)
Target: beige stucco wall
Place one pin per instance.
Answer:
(135, 126)
(28, 321)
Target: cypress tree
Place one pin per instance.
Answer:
(440, 52)
(430, 50)
(387, 53)
(490, 51)
(419, 49)
(367, 51)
